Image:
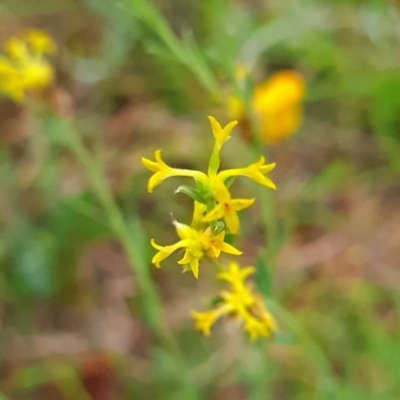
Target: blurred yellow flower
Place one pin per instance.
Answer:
(276, 104)
(24, 66)
(197, 244)
(241, 303)
(11, 84)
(40, 42)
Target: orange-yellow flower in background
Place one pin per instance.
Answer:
(24, 65)
(241, 303)
(276, 104)
(197, 245)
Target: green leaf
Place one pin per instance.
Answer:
(204, 191)
(215, 301)
(34, 263)
(191, 192)
(332, 177)
(229, 238)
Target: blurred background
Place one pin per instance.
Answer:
(70, 325)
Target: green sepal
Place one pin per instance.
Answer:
(229, 238)
(191, 192)
(217, 227)
(215, 301)
(204, 191)
(228, 181)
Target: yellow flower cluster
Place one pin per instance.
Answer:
(240, 302)
(216, 214)
(213, 202)
(276, 105)
(24, 66)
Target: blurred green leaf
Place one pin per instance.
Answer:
(263, 277)
(56, 129)
(334, 176)
(33, 254)
(3, 396)
(120, 31)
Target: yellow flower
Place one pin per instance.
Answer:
(40, 42)
(236, 275)
(226, 208)
(24, 66)
(221, 135)
(36, 75)
(10, 82)
(240, 303)
(162, 171)
(213, 193)
(197, 244)
(199, 210)
(255, 172)
(276, 104)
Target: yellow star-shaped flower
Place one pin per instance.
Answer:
(240, 303)
(197, 244)
(163, 171)
(226, 208)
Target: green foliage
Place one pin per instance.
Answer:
(166, 64)
(263, 277)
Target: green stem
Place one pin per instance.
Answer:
(3, 396)
(185, 52)
(268, 213)
(150, 298)
(323, 366)
(267, 203)
(118, 225)
(267, 198)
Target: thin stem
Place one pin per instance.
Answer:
(268, 213)
(323, 366)
(267, 203)
(185, 51)
(120, 228)
(151, 300)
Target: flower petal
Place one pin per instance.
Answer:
(227, 248)
(221, 135)
(255, 172)
(165, 251)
